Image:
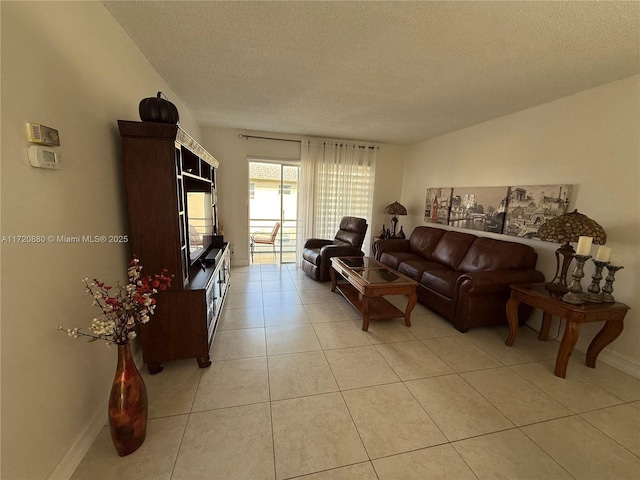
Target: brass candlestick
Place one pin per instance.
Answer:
(594, 289)
(575, 295)
(607, 289)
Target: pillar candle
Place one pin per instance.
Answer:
(615, 260)
(584, 246)
(604, 254)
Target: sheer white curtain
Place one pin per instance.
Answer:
(336, 179)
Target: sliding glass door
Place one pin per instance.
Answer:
(273, 207)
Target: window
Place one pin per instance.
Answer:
(252, 190)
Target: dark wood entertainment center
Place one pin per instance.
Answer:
(162, 163)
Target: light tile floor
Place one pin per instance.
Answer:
(298, 390)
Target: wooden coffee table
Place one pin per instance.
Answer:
(368, 281)
(612, 314)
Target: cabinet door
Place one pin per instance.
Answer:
(224, 275)
(212, 310)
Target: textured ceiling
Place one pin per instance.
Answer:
(393, 72)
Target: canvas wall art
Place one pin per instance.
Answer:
(437, 204)
(479, 208)
(532, 205)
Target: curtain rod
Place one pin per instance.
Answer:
(246, 137)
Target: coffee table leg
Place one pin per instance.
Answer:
(413, 299)
(609, 332)
(334, 279)
(512, 317)
(569, 340)
(546, 325)
(365, 313)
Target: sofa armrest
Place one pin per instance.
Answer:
(391, 245)
(317, 243)
(496, 281)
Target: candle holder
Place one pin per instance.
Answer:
(607, 289)
(575, 295)
(594, 289)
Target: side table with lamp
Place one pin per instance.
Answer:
(395, 209)
(569, 302)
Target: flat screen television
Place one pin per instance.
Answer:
(200, 223)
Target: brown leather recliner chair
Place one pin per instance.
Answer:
(317, 253)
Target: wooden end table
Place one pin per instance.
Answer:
(537, 296)
(368, 281)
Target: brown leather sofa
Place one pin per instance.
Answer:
(461, 276)
(317, 253)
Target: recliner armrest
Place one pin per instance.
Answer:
(317, 243)
(329, 251)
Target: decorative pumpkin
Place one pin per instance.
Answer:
(158, 109)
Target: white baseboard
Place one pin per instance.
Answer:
(76, 452)
(78, 449)
(621, 362)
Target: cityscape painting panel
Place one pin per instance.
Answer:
(532, 205)
(479, 208)
(436, 208)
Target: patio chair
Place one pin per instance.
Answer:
(265, 238)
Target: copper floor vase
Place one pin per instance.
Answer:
(127, 405)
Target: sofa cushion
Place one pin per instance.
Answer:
(487, 254)
(424, 239)
(452, 248)
(441, 281)
(394, 259)
(414, 268)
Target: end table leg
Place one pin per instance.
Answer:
(512, 317)
(413, 299)
(569, 340)
(609, 332)
(334, 279)
(546, 325)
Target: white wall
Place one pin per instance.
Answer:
(232, 151)
(67, 65)
(589, 140)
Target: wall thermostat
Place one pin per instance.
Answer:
(43, 135)
(44, 157)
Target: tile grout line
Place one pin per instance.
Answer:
(184, 431)
(545, 452)
(573, 414)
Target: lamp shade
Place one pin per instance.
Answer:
(571, 226)
(395, 209)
